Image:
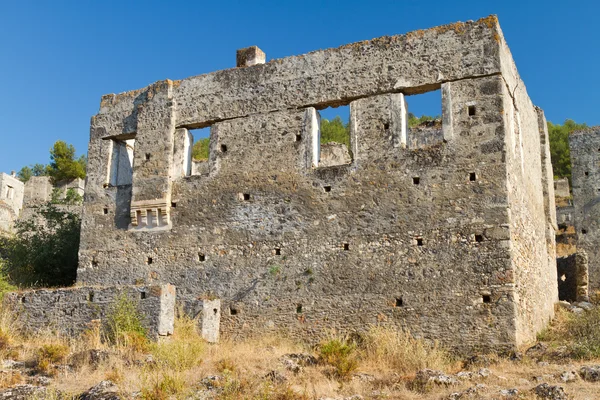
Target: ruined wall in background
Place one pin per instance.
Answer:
(585, 172)
(11, 201)
(437, 229)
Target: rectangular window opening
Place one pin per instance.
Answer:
(121, 162)
(334, 136)
(399, 302)
(424, 120)
(299, 308)
(277, 252)
(327, 188)
(471, 110)
(419, 241)
(487, 298)
(472, 176)
(149, 260)
(416, 180)
(479, 238)
(142, 295)
(346, 246)
(232, 310)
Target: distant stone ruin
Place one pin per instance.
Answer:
(447, 231)
(585, 170)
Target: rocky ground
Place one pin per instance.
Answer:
(386, 365)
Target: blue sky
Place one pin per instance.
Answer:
(58, 58)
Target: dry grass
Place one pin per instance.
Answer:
(382, 362)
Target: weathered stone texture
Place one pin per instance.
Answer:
(585, 162)
(71, 311)
(561, 188)
(445, 230)
(11, 200)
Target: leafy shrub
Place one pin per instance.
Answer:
(578, 332)
(43, 251)
(50, 354)
(124, 325)
(340, 353)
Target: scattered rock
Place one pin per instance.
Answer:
(295, 362)
(275, 377)
(585, 305)
(484, 373)
(590, 373)
(577, 310)
(537, 351)
(40, 380)
(211, 381)
(105, 390)
(426, 378)
(542, 378)
(564, 304)
(509, 392)
(91, 357)
(12, 364)
(546, 391)
(568, 376)
(23, 392)
(471, 392)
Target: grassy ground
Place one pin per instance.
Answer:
(382, 365)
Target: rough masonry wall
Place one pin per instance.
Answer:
(11, 200)
(585, 172)
(416, 232)
(71, 311)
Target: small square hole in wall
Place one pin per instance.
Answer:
(90, 296)
(277, 252)
(299, 308)
(479, 238)
(472, 176)
(223, 148)
(232, 311)
(487, 298)
(201, 257)
(173, 204)
(416, 180)
(346, 246)
(94, 262)
(142, 295)
(586, 173)
(327, 188)
(147, 156)
(471, 110)
(215, 311)
(419, 241)
(245, 196)
(105, 211)
(386, 126)
(298, 138)
(399, 302)
(149, 260)
(584, 231)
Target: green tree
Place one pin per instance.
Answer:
(63, 164)
(27, 172)
(335, 131)
(413, 120)
(559, 146)
(200, 149)
(43, 251)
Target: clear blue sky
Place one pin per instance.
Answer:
(59, 57)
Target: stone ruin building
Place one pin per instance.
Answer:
(11, 200)
(585, 176)
(20, 200)
(448, 232)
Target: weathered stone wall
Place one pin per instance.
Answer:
(447, 231)
(11, 200)
(561, 188)
(585, 170)
(71, 310)
(38, 190)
